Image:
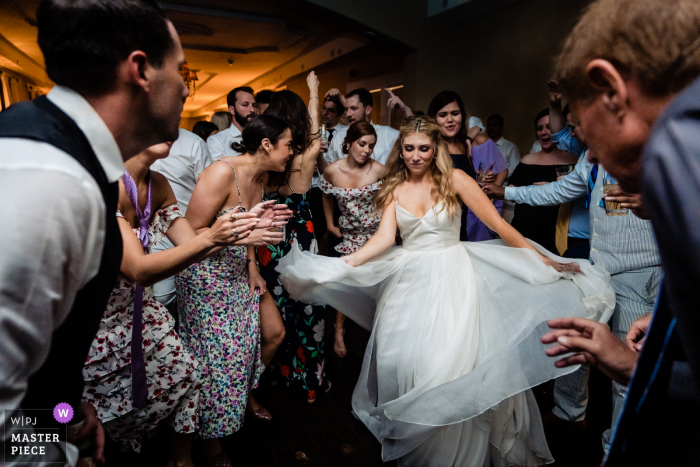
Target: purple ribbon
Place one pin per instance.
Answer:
(139, 384)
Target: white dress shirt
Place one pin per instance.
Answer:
(188, 157)
(52, 235)
(511, 154)
(536, 147)
(220, 143)
(386, 136)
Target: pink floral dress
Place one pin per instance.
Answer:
(173, 385)
(357, 222)
(220, 324)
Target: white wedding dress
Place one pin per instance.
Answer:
(455, 344)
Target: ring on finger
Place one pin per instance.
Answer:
(234, 217)
(234, 232)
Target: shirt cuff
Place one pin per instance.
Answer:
(510, 193)
(556, 137)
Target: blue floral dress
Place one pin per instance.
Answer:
(220, 324)
(300, 359)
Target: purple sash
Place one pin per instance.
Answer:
(139, 385)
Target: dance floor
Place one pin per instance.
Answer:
(325, 433)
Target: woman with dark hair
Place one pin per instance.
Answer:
(468, 148)
(539, 223)
(300, 359)
(205, 129)
(218, 298)
(353, 181)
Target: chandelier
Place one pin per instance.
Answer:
(190, 76)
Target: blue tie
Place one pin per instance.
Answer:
(592, 177)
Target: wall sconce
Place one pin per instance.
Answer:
(190, 76)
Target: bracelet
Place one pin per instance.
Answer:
(313, 97)
(471, 140)
(257, 265)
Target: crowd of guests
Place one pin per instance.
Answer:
(175, 250)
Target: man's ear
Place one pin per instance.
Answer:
(137, 69)
(231, 110)
(368, 110)
(605, 78)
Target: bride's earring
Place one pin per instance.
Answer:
(401, 155)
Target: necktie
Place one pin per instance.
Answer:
(139, 385)
(592, 178)
(330, 134)
(561, 237)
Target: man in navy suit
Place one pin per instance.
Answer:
(630, 70)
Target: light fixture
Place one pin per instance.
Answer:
(190, 76)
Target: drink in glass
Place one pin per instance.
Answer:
(564, 170)
(612, 208)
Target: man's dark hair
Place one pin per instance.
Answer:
(496, 117)
(338, 105)
(231, 97)
(363, 95)
(542, 113)
(264, 96)
(84, 41)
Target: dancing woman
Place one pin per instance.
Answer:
(218, 298)
(301, 357)
(455, 325)
(140, 377)
(353, 181)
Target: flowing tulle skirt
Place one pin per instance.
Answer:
(455, 345)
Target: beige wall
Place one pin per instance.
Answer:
(498, 64)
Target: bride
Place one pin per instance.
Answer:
(454, 348)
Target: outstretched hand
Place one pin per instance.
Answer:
(276, 215)
(494, 191)
(585, 342)
(312, 82)
(561, 267)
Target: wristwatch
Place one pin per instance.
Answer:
(257, 265)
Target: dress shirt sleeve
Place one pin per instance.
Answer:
(52, 238)
(671, 183)
(334, 152)
(511, 153)
(568, 188)
(216, 147)
(201, 158)
(567, 142)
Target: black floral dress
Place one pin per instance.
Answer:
(300, 359)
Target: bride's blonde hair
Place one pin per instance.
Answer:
(440, 167)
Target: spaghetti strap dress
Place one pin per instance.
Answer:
(220, 325)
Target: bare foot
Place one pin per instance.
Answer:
(339, 343)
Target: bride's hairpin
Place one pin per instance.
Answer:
(418, 122)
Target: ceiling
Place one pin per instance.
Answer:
(229, 42)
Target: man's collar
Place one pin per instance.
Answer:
(93, 127)
(500, 141)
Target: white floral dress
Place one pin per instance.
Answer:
(358, 221)
(173, 385)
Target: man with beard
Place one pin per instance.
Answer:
(242, 107)
(631, 70)
(116, 65)
(358, 105)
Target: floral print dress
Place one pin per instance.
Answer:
(358, 221)
(220, 325)
(300, 358)
(171, 371)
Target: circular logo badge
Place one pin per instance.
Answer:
(63, 413)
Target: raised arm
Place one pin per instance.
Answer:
(557, 122)
(395, 102)
(380, 242)
(477, 201)
(310, 155)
